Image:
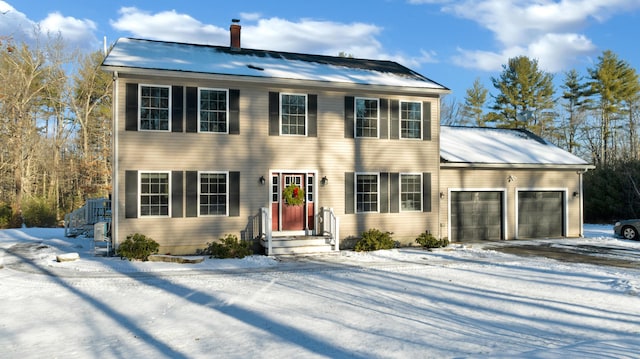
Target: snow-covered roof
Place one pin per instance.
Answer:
(497, 146)
(172, 56)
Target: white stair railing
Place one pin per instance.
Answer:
(265, 229)
(330, 226)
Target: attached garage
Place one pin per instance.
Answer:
(476, 215)
(540, 214)
(498, 183)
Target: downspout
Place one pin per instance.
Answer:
(581, 200)
(114, 175)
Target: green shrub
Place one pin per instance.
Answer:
(228, 247)
(427, 240)
(5, 216)
(373, 240)
(38, 212)
(137, 246)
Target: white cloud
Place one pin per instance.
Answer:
(554, 53)
(14, 23)
(313, 36)
(76, 33)
(168, 26)
(481, 60)
(250, 16)
(547, 30)
(304, 36)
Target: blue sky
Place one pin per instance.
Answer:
(453, 42)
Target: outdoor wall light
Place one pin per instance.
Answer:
(576, 194)
(441, 195)
(324, 180)
(262, 180)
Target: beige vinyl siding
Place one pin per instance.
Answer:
(254, 153)
(510, 181)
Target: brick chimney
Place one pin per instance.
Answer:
(234, 31)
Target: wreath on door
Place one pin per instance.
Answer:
(293, 195)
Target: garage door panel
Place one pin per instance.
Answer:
(476, 216)
(540, 214)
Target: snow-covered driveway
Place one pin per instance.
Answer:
(457, 302)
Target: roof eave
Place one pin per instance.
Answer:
(547, 166)
(125, 70)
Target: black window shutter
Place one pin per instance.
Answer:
(394, 197)
(192, 193)
(234, 112)
(274, 113)
(177, 102)
(131, 194)
(384, 118)
(177, 190)
(384, 192)
(234, 194)
(349, 196)
(192, 109)
(349, 119)
(312, 116)
(394, 110)
(131, 107)
(426, 192)
(426, 121)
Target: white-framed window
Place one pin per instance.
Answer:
(410, 119)
(310, 182)
(213, 110)
(293, 114)
(367, 113)
(155, 108)
(367, 192)
(275, 188)
(213, 193)
(410, 192)
(154, 194)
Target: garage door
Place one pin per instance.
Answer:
(476, 216)
(540, 214)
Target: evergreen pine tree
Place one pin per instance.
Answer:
(525, 96)
(474, 101)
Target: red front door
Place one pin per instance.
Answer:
(290, 217)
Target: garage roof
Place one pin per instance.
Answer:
(468, 146)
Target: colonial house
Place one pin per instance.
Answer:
(214, 140)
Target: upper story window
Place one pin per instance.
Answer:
(154, 194)
(293, 114)
(213, 110)
(410, 192)
(367, 115)
(155, 108)
(367, 192)
(410, 119)
(213, 193)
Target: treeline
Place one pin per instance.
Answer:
(612, 192)
(55, 127)
(55, 131)
(592, 115)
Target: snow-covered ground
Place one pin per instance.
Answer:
(457, 302)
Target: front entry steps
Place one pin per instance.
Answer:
(298, 245)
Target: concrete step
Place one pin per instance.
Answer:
(298, 245)
(284, 251)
